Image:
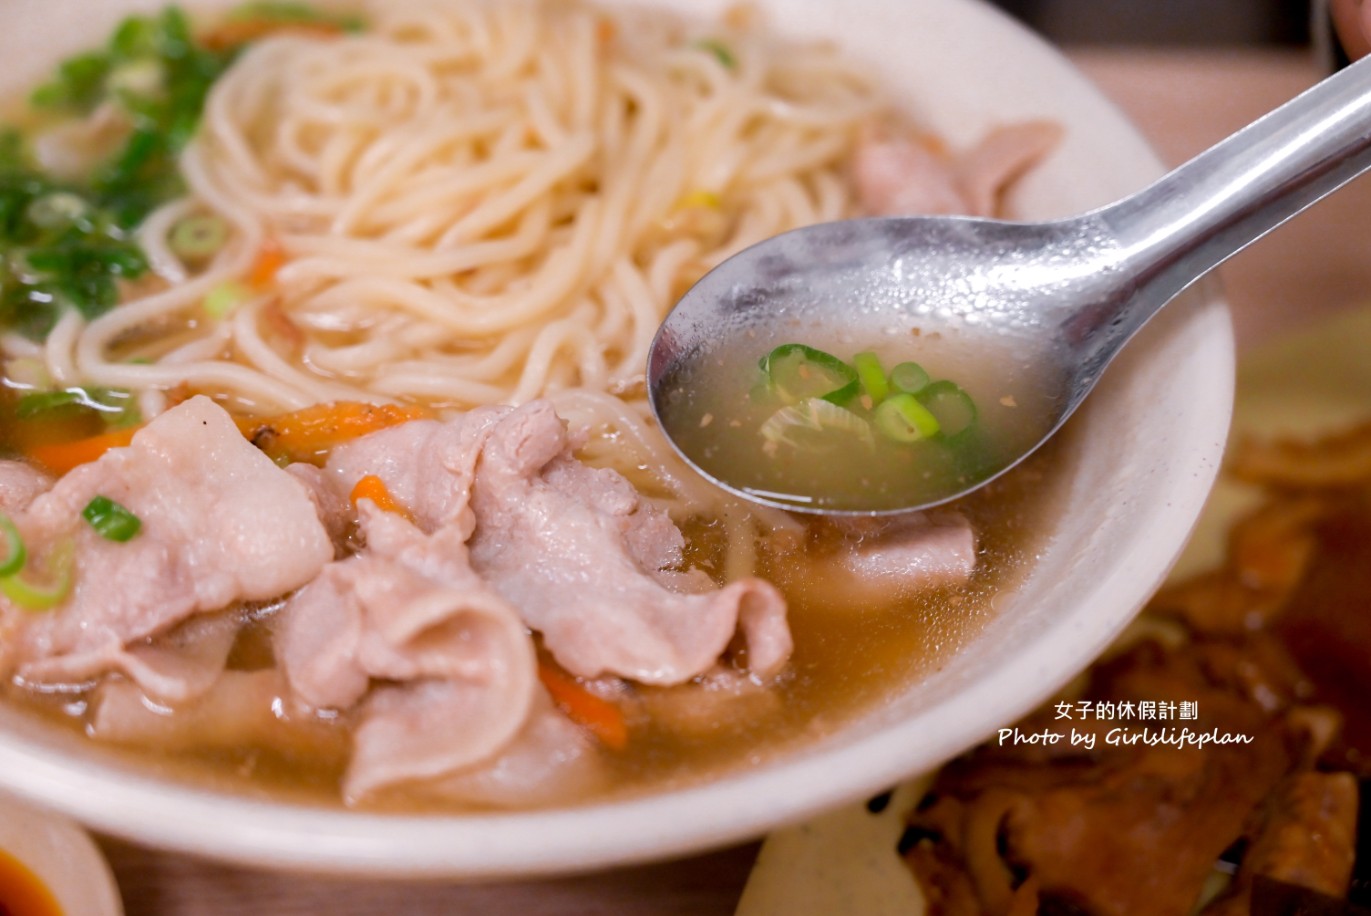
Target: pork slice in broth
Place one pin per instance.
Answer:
(440, 668)
(241, 709)
(550, 761)
(880, 563)
(427, 466)
(20, 484)
(585, 560)
(566, 544)
(174, 667)
(900, 173)
(220, 523)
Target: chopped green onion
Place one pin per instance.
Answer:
(79, 83)
(872, 376)
(57, 210)
(721, 51)
(952, 406)
(145, 76)
(36, 403)
(110, 520)
(224, 299)
(289, 12)
(27, 372)
(196, 238)
(808, 425)
(34, 596)
(13, 558)
(908, 377)
(797, 372)
(902, 418)
(114, 405)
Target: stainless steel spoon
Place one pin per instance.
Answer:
(1066, 294)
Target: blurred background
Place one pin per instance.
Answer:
(1166, 22)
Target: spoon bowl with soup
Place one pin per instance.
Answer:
(882, 366)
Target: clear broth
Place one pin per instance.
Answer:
(715, 407)
(849, 658)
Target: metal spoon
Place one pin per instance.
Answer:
(1066, 294)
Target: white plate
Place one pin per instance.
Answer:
(1145, 452)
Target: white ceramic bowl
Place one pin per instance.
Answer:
(61, 856)
(1146, 450)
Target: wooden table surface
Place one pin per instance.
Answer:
(1183, 101)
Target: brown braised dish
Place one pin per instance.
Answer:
(1130, 813)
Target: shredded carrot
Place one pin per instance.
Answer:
(597, 715)
(279, 323)
(301, 435)
(60, 457)
(606, 31)
(239, 32)
(374, 488)
(306, 434)
(270, 257)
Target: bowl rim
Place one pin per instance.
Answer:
(61, 855)
(140, 806)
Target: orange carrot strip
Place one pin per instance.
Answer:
(606, 31)
(239, 32)
(60, 457)
(270, 257)
(374, 488)
(308, 433)
(597, 715)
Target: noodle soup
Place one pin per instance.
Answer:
(287, 292)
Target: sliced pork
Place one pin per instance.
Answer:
(421, 636)
(588, 563)
(550, 761)
(566, 544)
(912, 553)
(242, 709)
(427, 466)
(20, 484)
(172, 668)
(902, 173)
(409, 621)
(869, 564)
(220, 523)
(441, 667)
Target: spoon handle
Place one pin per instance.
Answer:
(1191, 220)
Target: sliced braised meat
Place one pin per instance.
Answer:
(903, 173)
(457, 663)
(220, 523)
(1308, 838)
(567, 544)
(1114, 828)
